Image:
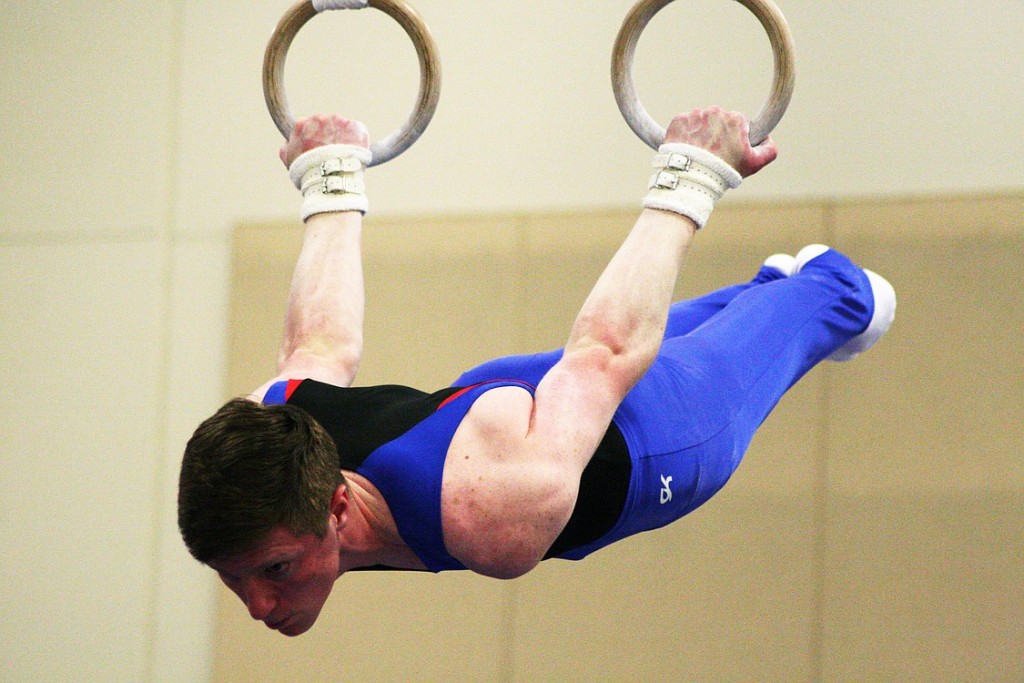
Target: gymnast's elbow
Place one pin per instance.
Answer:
(504, 565)
(620, 365)
(336, 363)
(501, 552)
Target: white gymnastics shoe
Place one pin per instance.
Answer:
(811, 251)
(784, 263)
(885, 308)
(885, 312)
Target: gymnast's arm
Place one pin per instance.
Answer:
(323, 331)
(530, 453)
(618, 331)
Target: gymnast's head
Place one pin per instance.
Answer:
(259, 496)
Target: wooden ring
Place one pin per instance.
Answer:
(430, 74)
(625, 90)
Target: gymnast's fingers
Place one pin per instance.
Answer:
(318, 131)
(758, 157)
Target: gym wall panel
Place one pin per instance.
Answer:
(379, 627)
(730, 592)
(815, 563)
(462, 268)
(225, 154)
(78, 427)
(438, 292)
(88, 94)
(957, 359)
(95, 587)
(136, 138)
(884, 104)
(927, 482)
(440, 297)
(195, 382)
(262, 260)
(890, 95)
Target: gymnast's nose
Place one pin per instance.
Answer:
(259, 599)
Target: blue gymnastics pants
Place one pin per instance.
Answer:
(726, 361)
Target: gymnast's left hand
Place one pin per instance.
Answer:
(317, 131)
(726, 134)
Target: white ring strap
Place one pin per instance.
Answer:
(325, 5)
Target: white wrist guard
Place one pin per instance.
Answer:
(688, 181)
(331, 179)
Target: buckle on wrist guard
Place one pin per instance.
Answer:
(665, 181)
(678, 162)
(336, 166)
(342, 185)
(675, 161)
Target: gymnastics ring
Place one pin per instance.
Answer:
(625, 90)
(430, 74)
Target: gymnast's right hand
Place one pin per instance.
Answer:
(726, 135)
(317, 131)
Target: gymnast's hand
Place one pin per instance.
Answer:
(724, 134)
(317, 131)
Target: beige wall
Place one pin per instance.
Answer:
(872, 532)
(136, 138)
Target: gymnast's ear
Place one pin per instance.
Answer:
(339, 506)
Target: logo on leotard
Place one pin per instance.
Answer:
(666, 492)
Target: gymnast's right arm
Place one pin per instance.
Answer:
(323, 331)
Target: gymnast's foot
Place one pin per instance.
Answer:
(775, 267)
(884, 311)
(782, 263)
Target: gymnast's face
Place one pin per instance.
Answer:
(285, 580)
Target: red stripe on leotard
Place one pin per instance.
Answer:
(462, 391)
(289, 388)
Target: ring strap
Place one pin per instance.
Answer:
(325, 5)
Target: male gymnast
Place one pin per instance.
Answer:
(638, 420)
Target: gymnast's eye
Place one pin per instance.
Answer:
(277, 570)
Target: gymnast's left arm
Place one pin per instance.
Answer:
(619, 329)
(323, 331)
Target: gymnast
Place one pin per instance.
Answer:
(638, 420)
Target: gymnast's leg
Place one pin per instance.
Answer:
(716, 385)
(686, 315)
(768, 337)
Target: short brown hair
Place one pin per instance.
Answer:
(250, 468)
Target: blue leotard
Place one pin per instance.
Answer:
(726, 360)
